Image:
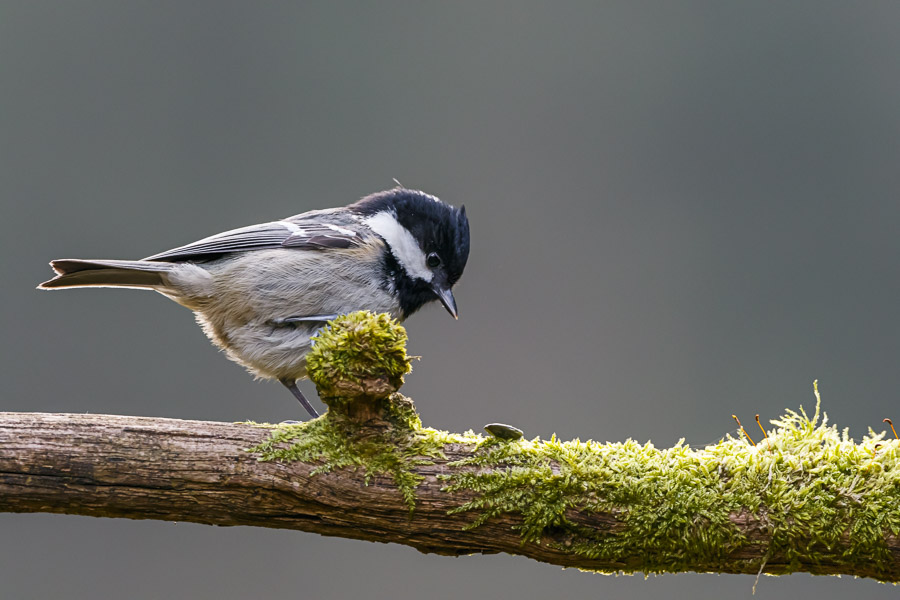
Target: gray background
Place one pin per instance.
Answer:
(679, 211)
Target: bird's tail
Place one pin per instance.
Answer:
(73, 272)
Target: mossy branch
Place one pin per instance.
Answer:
(809, 499)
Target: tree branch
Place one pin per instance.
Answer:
(809, 499)
(144, 468)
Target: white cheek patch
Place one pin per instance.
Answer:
(403, 244)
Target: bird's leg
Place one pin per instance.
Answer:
(292, 385)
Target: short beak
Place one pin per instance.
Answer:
(446, 297)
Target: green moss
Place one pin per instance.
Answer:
(358, 347)
(809, 486)
(357, 361)
(338, 443)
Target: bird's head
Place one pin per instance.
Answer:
(428, 241)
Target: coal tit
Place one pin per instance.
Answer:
(261, 292)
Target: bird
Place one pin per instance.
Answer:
(260, 293)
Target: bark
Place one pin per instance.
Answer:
(174, 470)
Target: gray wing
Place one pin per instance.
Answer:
(290, 233)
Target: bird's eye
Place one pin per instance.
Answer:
(433, 260)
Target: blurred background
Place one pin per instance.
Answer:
(679, 211)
